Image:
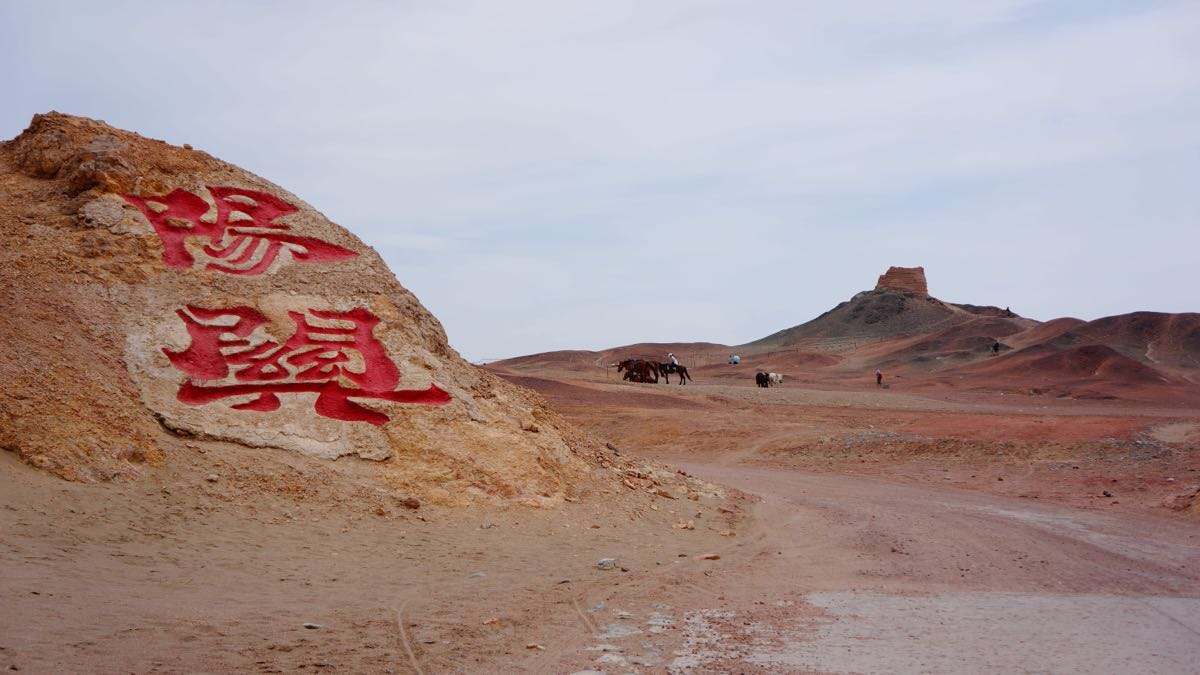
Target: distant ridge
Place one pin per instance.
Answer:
(899, 305)
(899, 327)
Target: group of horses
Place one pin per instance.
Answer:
(641, 370)
(765, 380)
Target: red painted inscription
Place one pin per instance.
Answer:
(338, 358)
(239, 237)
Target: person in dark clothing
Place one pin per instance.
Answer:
(995, 348)
(878, 377)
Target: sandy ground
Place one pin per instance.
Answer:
(176, 573)
(898, 578)
(876, 537)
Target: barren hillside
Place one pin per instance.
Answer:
(152, 291)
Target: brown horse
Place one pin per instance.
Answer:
(638, 370)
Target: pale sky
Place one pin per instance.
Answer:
(550, 175)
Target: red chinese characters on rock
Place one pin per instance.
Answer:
(339, 359)
(240, 237)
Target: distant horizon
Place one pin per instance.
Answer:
(799, 323)
(550, 175)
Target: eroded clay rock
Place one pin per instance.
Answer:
(904, 279)
(147, 290)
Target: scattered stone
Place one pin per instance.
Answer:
(606, 563)
(212, 478)
(616, 631)
(410, 503)
(491, 621)
(1106, 493)
(727, 533)
(659, 622)
(534, 645)
(663, 493)
(685, 525)
(477, 575)
(313, 626)
(709, 556)
(563, 581)
(604, 647)
(1183, 501)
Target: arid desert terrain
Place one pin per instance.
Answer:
(979, 510)
(234, 442)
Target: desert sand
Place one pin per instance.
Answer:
(864, 552)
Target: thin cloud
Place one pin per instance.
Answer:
(572, 174)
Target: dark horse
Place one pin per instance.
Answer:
(667, 368)
(762, 379)
(637, 370)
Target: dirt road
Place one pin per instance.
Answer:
(914, 578)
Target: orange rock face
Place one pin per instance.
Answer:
(907, 279)
(136, 278)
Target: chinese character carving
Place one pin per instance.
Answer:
(334, 354)
(240, 236)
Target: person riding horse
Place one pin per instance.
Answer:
(673, 367)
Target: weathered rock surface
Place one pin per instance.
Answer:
(904, 279)
(149, 290)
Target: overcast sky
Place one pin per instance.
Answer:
(548, 175)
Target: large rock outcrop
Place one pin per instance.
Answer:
(903, 279)
(149, 289)
(900, 306)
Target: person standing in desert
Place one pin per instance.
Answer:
(878, 377)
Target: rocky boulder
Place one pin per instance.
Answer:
(150, 291)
